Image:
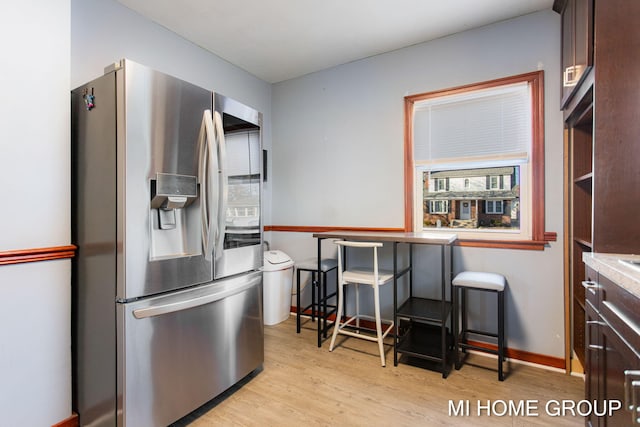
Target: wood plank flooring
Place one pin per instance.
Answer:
(301, 384)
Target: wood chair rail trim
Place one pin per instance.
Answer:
(21, 256)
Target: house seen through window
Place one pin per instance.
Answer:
(472, 198)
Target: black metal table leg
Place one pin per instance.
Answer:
(298, 301)
(395, 303)
(317, 275)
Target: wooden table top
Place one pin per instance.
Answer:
(433, 238)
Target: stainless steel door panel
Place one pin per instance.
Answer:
(238, 110)
(158, 128)
(239, 259)
(93, 274)
(202, 297)
(240, 245)
(185, 348)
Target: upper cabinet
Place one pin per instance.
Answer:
(616, 135)
(577, 44)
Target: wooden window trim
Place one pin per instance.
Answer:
(539, 237)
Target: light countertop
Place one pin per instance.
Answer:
(609, 265)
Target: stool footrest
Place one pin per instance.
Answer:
(476, 332)
(388, 324)
(303, 311)
(330, 296)
(315, 270)
(477, 348)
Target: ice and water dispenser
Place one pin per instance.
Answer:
(175, 216)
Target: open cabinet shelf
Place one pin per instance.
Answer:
(580, 193)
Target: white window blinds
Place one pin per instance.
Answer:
(489, 124)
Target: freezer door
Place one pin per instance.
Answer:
(162, 125)
(183, 349)
(239, 245)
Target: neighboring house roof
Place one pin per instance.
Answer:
(473, 172)
(474, 195)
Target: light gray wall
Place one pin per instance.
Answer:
(35, 339)
(104, 31)
(338, 158)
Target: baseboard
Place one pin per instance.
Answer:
(72, 421)
(525, 356)
(576, 366)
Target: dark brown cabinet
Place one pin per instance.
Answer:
(612, 346)
(577, 43)
(600, 96)
(592, 359)
(616, 178)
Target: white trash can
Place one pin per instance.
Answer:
(277, 279)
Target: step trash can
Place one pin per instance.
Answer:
(277, 279)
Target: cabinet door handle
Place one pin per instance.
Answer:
(590, 323)
(590, 286)
(565, 76)
(627, 321)
(631, 383)
(571, 75)
(599, 347)
(635, 410)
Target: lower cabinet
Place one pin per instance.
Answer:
(612, 353)
(592, 358)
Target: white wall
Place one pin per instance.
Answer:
(104, 31)
(338, 157)
(35, 349)
(35, 355)
(34, 118)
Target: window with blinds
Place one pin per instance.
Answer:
(485, 125)
(472, 150)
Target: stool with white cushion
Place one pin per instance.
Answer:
(477, 281)
(319, 296)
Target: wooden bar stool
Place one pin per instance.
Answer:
(319, 296)
(478, 281)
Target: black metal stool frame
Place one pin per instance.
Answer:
(460, 336)
(319, 298)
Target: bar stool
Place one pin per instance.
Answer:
(319, 296)
(365, 276)
(479, 281)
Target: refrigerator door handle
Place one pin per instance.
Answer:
(186, 304)
(222, 182)
(206, 160)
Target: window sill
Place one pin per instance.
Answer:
(530, 245)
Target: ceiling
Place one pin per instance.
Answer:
(277, 40)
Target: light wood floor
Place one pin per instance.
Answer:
(301, 384)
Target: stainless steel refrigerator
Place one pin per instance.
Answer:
(167, 292)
